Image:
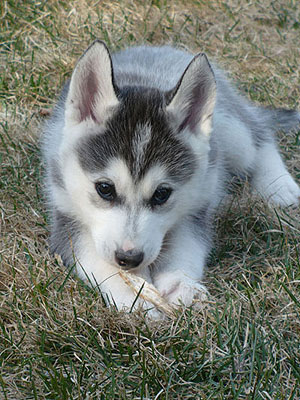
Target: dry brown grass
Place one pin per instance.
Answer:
(57, 340)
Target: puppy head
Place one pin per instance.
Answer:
(134, 159)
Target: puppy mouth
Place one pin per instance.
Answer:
(128, 268)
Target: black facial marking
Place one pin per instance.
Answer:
(139, 107)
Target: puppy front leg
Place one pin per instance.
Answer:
(179, 271)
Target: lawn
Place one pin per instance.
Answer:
(57, 338)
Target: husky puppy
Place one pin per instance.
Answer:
(138, 153)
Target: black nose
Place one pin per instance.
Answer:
(129, 259)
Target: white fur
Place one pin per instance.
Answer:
(178, 275)
(272, 180)
(240, 154)
(141, 228)
(175, 247)
(105, 276)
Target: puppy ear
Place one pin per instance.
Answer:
(91, 93)
(193, 99)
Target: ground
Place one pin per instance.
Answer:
(57, 339)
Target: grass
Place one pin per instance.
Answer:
(57, 339)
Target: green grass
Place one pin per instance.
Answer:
(57, 339)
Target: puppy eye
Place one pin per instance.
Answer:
(106, 190)
(160, 196)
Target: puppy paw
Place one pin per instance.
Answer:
(281, 191)
(287, 193)
(182, 291)
(125, 299)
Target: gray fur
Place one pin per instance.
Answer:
(282, 119)
(131, 66)
(154, 109)
(139, 108)
(161, 68)
(56, 174)
(65, 235)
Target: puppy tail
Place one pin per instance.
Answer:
(283, 120)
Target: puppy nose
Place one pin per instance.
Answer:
(129, 259)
